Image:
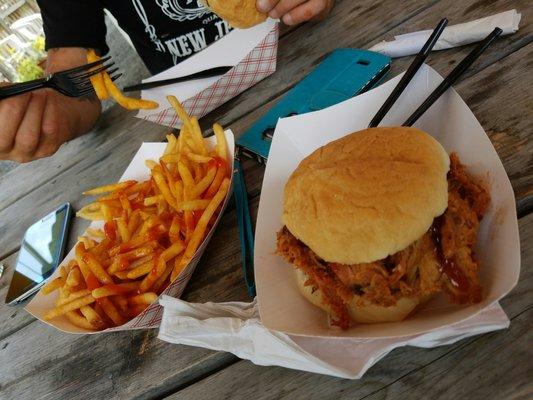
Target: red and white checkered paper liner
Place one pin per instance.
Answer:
(257, 65)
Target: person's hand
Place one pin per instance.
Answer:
(294, 12)
(33, 125)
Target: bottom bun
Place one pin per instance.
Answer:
(360, 310)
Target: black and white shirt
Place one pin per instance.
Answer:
(164, 32)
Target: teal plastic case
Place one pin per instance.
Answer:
(343, 74)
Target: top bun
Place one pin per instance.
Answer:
(240, 14)
(368, 195)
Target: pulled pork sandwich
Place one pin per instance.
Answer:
(240, 14)
(379, 221)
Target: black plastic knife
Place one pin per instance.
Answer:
(208, 73)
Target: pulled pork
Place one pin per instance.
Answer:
(441, 260)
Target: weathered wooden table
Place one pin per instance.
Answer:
(38, 362)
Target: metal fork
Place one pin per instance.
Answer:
(74, 82)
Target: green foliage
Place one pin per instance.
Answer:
(28, 69)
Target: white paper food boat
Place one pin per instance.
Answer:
(151, 317)
(451, 122)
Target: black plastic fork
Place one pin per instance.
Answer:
(74, 82)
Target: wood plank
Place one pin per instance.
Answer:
(13, 317)
(479, 357)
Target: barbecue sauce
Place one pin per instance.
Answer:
(447, 265)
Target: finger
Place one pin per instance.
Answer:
(265, 6)
(12, 111)
(29, 129)
(51, 128)
(283, 7)
(305, 12)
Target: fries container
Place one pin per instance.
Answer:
(253, 55)
(151, 317)
(450, 121)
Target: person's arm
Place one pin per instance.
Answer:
(36, 124)
(294, 12)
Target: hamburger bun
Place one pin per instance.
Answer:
(368, 195)
(240, 14)
(360, 310)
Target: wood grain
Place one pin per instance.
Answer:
(137, 365)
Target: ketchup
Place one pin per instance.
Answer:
(110, 231)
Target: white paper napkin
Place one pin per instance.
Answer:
(453, 36)
(236, 328)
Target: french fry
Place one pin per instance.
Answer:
(204, 184)
(163, 186)
(200, 229)
(198, 158)
(197, 137)
(90, 280)
(111, 311)
(173, 251)
(141, 261)
(109, 188)
(121, 275)
(97, 269)
(74, 305)
(125, 204)
(128, 103)
(172, 144)
(114, 290)
(80, 321)
(219, 177)
(93, 317)
(181, 112)
(68, 298)
(53, 285)
(140, 252)
(153, 200)
(140, 271)
(155, 273)
(123, 230)
(174, 231)
(143, 299)
(90, 215)
(192, 205)
(73, 277)
(158, 285)
(97, 80)
(133, 223)
(178, 191)
(170, 158)
(222, 144)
